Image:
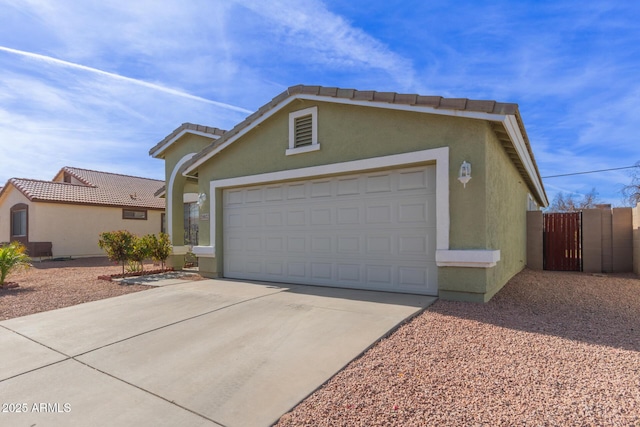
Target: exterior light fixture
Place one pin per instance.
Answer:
(465, 173)
(202, 197)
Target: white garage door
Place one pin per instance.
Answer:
(372, 230)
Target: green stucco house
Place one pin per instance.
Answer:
(358, 189)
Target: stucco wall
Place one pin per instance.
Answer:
(74, 230)
(499, 214)
(507, 200)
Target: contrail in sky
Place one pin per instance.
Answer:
(123, 78)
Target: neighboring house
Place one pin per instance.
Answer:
(359, 189)
(64, 217)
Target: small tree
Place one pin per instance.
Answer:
(12, 257)
(569, 203)
(159, 247)
(118, 245)
(140, 251)
(631, 192)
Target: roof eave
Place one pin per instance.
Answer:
(506, 113)
(159, 149)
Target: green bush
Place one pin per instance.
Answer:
(122, 246)
(12, 257)
(159, 247)
(118, 245)
(140, 251)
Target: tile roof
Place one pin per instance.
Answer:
(100, 188)
(470, 107)
(334, 93)
(185, 127)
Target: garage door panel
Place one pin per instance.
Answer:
(322, 244)
(321, 216)
(377, 213)
(295, 191)
(349, 273)
(348, 215)
(378, 183)
(369, 231)
(379, 275)
(348, 186)
(322, 270)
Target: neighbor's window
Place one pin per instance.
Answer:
(303, 131)
(19, 223)
(163, 222)
(134, 214)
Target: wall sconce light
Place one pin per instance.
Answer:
(465, 173)
(202, 197)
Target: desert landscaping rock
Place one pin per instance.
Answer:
(550, 349)
(56, 284)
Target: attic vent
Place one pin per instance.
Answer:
(303, 131)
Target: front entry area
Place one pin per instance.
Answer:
(373, 230)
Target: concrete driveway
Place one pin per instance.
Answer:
(203, 353)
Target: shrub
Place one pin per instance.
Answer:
(12, 257)
(140, 251)
(159, 247)
(118, 245)
(122, 246)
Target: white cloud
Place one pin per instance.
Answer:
(320, 36)
(115, 76)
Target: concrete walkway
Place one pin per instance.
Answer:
(192, 353)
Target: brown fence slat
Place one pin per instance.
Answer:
(563, 241)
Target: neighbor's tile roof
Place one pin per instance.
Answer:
(161, 146)
(100, 188)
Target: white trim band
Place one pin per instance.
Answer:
(475, 258)
(204, 251)
(179, 250)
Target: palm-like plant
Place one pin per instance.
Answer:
(12, 257)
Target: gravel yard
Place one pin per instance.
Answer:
(56, 284)
(550, 349)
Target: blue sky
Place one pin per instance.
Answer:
(95, 84)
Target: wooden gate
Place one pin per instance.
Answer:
(563, 241)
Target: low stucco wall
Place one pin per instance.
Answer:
(636, 239)
(622, 240)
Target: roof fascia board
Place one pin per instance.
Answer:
(240, 134)
(509, 122)
(182, 133)
(511, 125)
(405, 107)
(386, 105)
